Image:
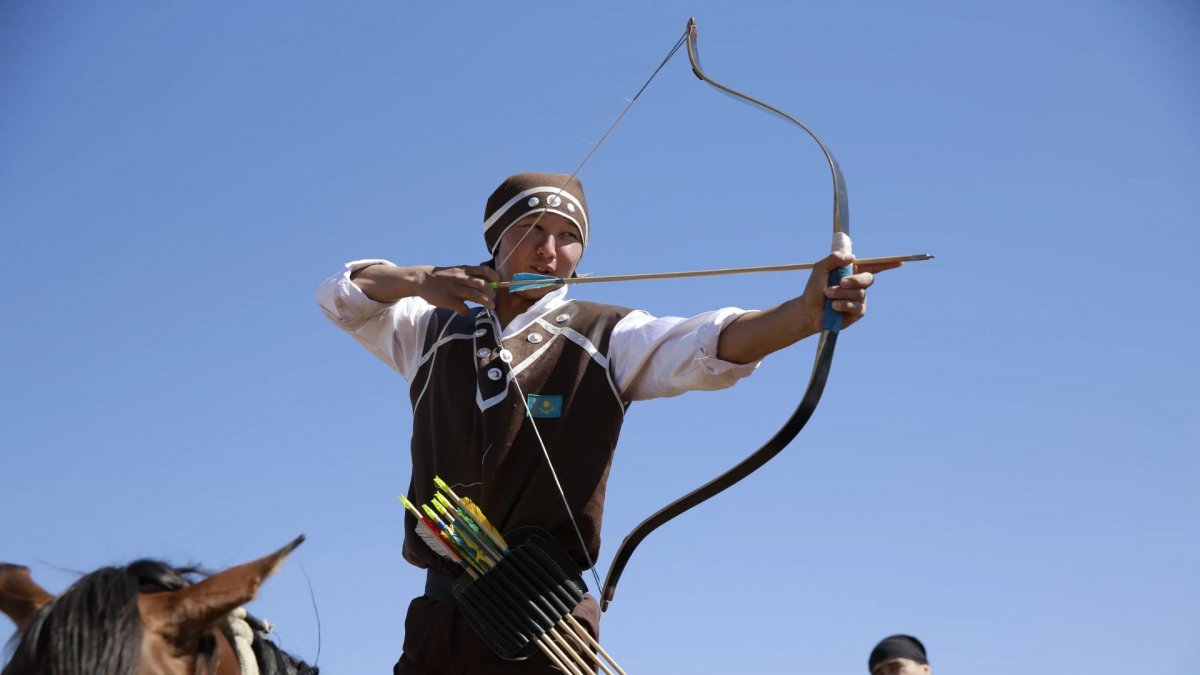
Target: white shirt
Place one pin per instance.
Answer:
(649, 357)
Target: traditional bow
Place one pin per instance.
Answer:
(831, 324)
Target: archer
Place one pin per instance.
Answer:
(518, 402)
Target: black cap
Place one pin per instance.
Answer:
(897, 647)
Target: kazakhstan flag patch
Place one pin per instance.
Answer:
(544, 406)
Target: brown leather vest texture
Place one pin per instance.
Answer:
(471, 428)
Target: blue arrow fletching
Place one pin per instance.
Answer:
(527, 281)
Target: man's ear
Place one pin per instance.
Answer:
(20, 595)
(181, 617)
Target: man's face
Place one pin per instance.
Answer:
(900, 667)
(552, 247)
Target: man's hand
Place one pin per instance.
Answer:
(453, 287)
(448, 287)
(754, 335)
(849, 297)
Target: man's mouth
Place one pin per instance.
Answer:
(543, 270)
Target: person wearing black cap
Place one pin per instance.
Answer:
(528, 390)
(899, 655)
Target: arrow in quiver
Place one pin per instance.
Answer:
(517, 596)
(523, 596)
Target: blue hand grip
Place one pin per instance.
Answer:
(832, 321)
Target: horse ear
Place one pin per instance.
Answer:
(184, 615)
(20, 595)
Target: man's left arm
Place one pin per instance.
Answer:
(754, 335)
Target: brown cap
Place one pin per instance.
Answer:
(524, 194)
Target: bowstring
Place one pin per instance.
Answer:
(546, 453)
(496, 323)
(597, 144)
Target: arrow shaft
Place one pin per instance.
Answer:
(709, 273)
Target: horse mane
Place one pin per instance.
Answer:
(272, 660)
(94, 627)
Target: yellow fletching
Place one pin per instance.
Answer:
(429, 512)
(441, 484)
(482, 521)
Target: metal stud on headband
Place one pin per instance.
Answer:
(525, 194)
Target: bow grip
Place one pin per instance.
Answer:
(832, 320)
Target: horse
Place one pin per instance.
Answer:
(146, 618)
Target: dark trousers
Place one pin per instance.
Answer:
(438, 640)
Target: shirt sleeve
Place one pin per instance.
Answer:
(394, 332)
(656, 357)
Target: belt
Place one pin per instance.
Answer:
(439, 586)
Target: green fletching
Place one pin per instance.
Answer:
(463, 517)
(469, 551)
(478, 517)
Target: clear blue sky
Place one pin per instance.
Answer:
(1005, 461)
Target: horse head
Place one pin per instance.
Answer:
(146, 618)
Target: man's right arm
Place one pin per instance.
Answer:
(392, 327)
(386, 283)
(449, 287)
(386, 308)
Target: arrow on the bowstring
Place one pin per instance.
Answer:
(528, 281)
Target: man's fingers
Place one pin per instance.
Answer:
(469, 290)
(852, 307)
(838, 293)
(481, 298)
(849, 296)
(860, 280)
(478, 279)
(477, 290)
(877, 267)
(482, 272)
(819, 277)
(833, 261)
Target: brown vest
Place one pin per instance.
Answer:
(470, 426)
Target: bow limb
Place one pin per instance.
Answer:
(820, 373)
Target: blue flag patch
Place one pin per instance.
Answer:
(544, 406)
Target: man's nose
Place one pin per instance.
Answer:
(545, 244)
